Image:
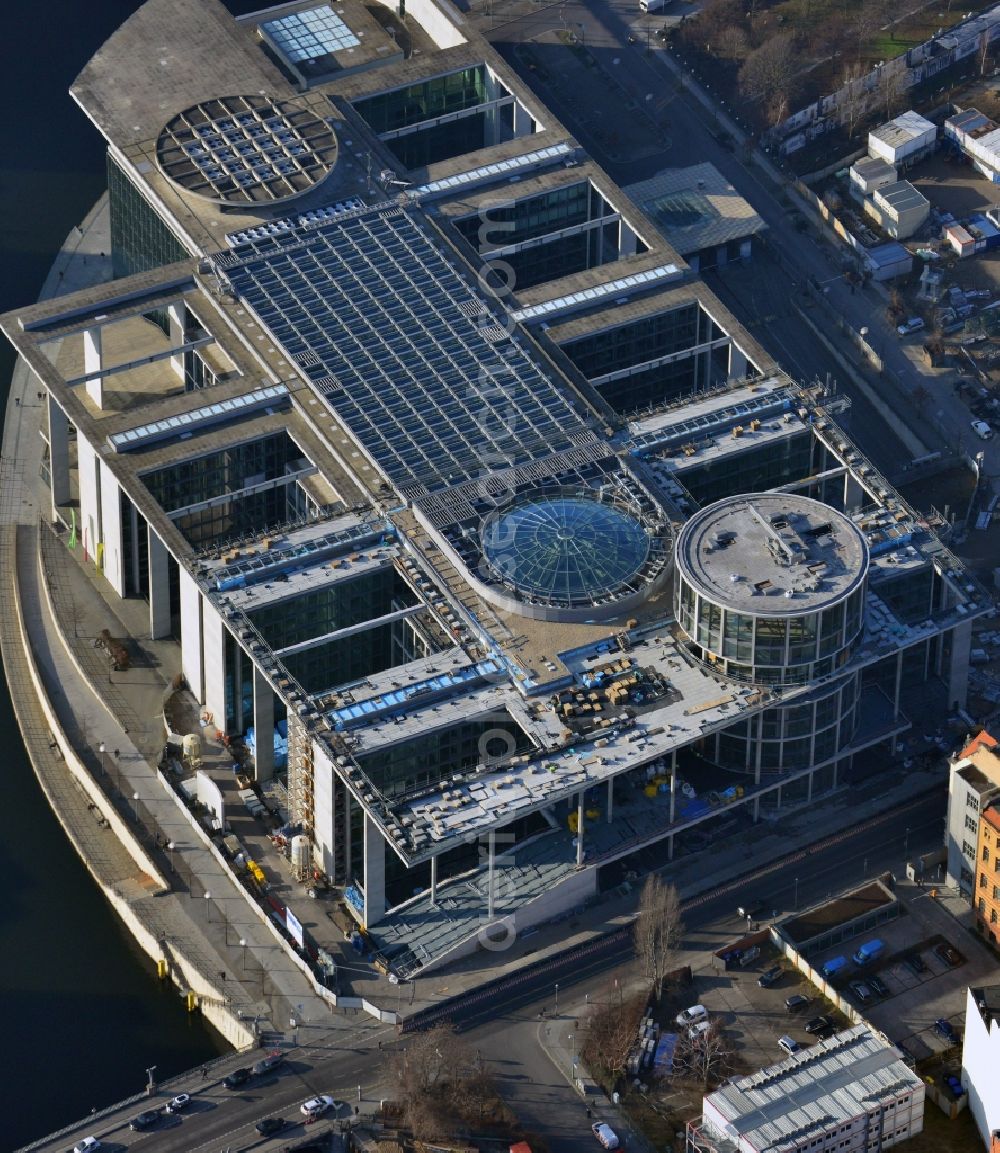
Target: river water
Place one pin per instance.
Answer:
(82, 1008)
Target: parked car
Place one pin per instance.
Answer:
(914, 962)
(699, 1030)
(861, 991)
(796, 1002)
(878, 986)
(914, 324)
(267, 1126)
(770, 976)
(691, 1015)
(144, 1120)
(237, 1078)
(943, 1027)
(87, 1145)
(949, 954)
(981, 429)
(789, 1044)
(817, 1024)
(605, 1134)
(748, 956)
(316, 1106)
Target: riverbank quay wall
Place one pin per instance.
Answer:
(119, 864)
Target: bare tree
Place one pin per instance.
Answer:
(612, 1031)
(855, 101)
(892, 85)
(867, 19)
(984, 51)
(444, 1088)
(733, 42)
(715, 16)
(658, 929)
(709, 1057)
(768, 73)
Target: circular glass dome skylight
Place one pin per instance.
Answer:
(569, 550)
(247, 149)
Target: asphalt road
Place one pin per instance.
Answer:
(636, 83)
(504, 1025)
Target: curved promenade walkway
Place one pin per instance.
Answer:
(48, 615)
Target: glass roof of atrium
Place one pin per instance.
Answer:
(198, 419)
(495, 171)
(393, 338)
(648, 279)
(310, 35)
(567, 549)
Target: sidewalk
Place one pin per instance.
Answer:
(220, 942)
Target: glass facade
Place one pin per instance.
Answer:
(337, 606)
(341, 662)
(228, 472)
(753, 470)
(427, 760)
(531, 217)
(651, 338)
(465, 91)
(796, 736)
(139, 238)
(790, 649)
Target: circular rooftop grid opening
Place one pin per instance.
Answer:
(573, 551)
(247, 150)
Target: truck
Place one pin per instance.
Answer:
(652, 5)
(868, 952)
(833, 966)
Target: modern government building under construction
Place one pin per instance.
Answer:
(454, 485)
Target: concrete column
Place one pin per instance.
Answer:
(626, 240)
(579, 829)
(758, 758)
(192, 663)
(491, 875)
(348, 804)
(853, 493)
(895, 697)
(523, 122)
(673, 793)
(737, 362)
(93, 361)
(159, 586)
(91, 531)
(374, 880)
(434, 880)
(670, 847)
(611, 800)
(175, 334)
(263, 726)
(214, 663)
(58, 455)
(112, 564)
(958, 669)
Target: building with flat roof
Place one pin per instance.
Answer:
(973, 784)
(412, 431)
(851, 1092)
(700, 213)
(980, 1055)
(904, 139)
(900, 209)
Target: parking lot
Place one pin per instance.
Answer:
(918, 987)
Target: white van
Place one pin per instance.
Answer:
(982, 429)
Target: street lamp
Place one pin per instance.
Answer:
(906, 844)
(795, 903)
(135, 808)
(557, 998)
(243, 946)
(208, 903)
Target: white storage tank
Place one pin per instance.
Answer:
(301, 850)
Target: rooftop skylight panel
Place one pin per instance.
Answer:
(310, 35)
